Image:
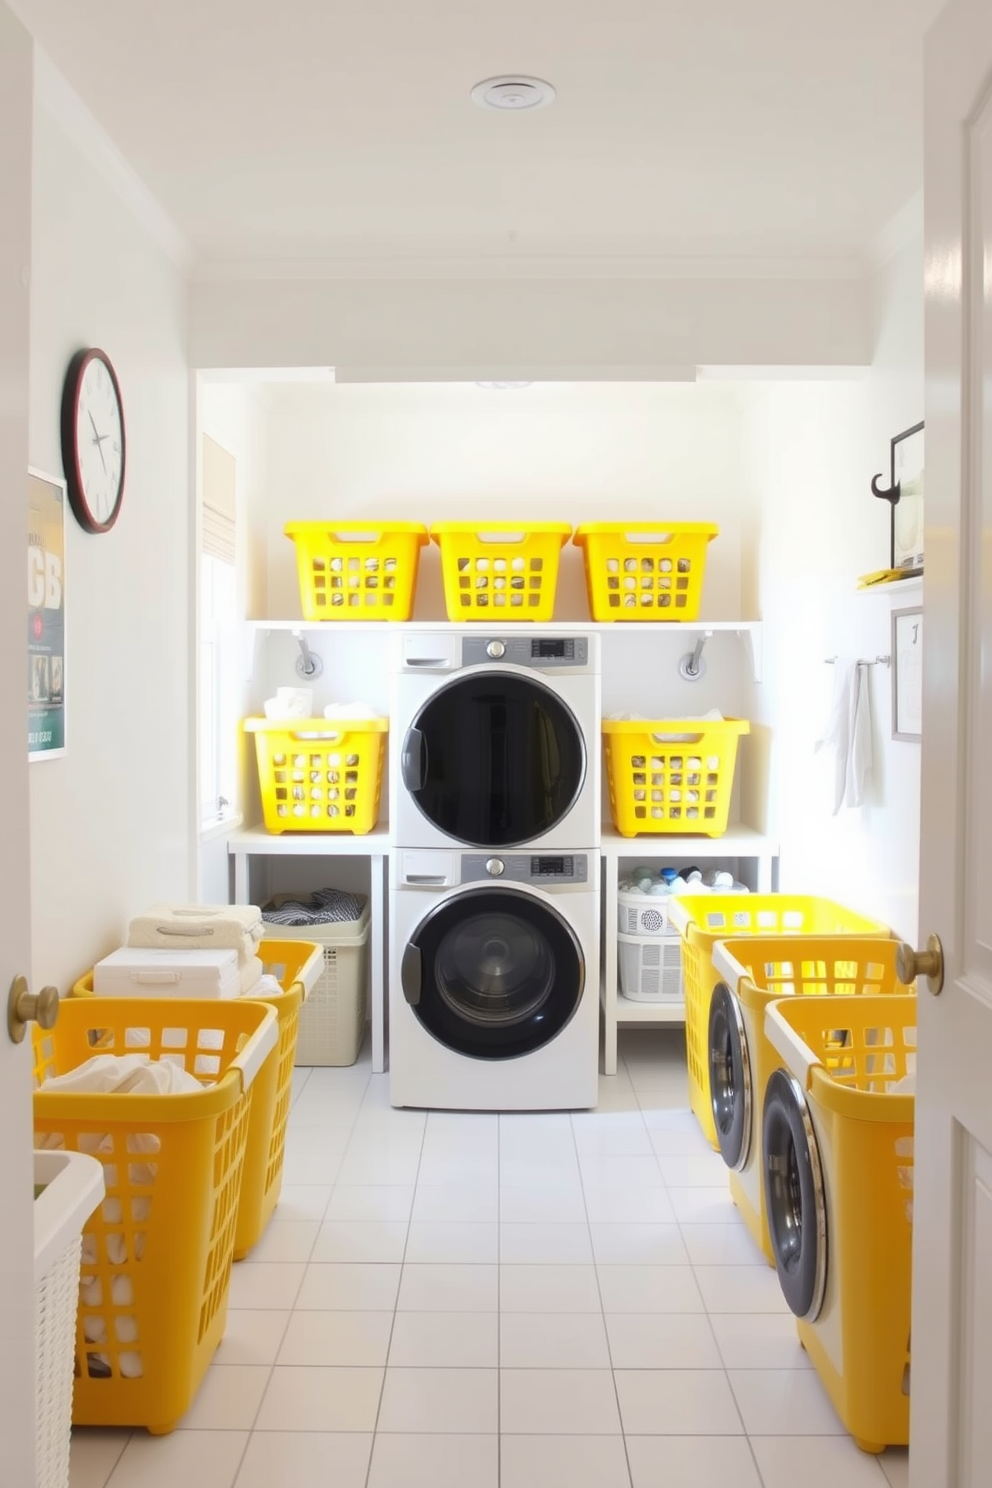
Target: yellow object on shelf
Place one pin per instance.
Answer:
(357, 570)
(645, 570)
(671, 775)
(319, 774)
(157, 1254)
(756, 971)
(505, 570)
(863, 1122)
(704, 919)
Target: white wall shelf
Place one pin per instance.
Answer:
(749, 632)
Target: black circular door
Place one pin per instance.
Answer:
(493, 973)
(494, 760)
(730, 1077)
(794, 1196)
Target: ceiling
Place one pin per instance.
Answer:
(330, 132)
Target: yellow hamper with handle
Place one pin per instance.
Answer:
(157, 1254)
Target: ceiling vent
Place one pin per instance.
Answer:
(514, 94)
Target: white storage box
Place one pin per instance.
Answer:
(332, 1020)
(134, 972)
(650, 966)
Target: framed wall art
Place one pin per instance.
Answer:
(905, 497)
(46, 616)
(907, 674)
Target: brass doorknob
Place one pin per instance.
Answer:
(24, 1007)
(911, 964)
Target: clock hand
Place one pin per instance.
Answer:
(98, 440)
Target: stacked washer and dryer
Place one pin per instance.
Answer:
(494, 812)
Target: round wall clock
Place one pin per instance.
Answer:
(93, 440)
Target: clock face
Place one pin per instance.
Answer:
(93, 440)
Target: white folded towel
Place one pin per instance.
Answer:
(848, 732)
(200, 927)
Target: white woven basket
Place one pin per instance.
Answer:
(651, 967)
(56, 1298)
(332, 1020)
(643, 914)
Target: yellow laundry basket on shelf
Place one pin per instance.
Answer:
(704, 919)
(753, 973)
(504, 570)
(318, 774)
(357, 570)
(839, 1156)
(645, 570)
(156, 1255)
(671, 775)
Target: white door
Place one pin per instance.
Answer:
(951, 1430)
(16, 1176)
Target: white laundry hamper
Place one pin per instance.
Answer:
(71, 1187)
(333, 1017)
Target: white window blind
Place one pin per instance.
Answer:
(219, 507)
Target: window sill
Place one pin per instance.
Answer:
(221, 827)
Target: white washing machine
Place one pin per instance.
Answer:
(495, 740)
(494, 980)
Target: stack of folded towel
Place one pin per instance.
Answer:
(204, 927)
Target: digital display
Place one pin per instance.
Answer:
(551, 867)
(552, 649)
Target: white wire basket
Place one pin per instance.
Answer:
(651, 967)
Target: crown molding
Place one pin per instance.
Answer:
(534, 267)
(64, 104)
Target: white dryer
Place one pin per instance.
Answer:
(494, 980)
(495, 740)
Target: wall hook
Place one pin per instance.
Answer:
(692, 666)
(308, 663)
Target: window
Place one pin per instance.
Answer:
(218, 702)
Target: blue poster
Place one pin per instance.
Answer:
(46, 616)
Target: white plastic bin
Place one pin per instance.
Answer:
(72, 1187)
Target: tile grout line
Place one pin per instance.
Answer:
(396, 1301)
(602, 1310)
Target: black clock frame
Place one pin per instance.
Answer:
(70, 407)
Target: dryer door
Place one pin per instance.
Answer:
(494, 759)
(493, 973)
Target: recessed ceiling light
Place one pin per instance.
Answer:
(513, 93)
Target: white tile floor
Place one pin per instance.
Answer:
(473, 1301)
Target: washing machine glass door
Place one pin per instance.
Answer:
(493, 973)
(494, 759)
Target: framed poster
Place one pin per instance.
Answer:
(907, 514)
(907, 674)
(46, 616)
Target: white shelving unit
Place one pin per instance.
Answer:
(738, 842)
(244, 844)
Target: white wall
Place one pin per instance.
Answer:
(235, 415)
(111, 823)
(812, 451)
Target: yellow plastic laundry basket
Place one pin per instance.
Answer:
(156, 1256)
(357, 570)
(318, 775)
(671, 775)
(704, 919)
(848, 1060)
(645, 570)
(297, 965)
(506, 570)
(753, 973)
